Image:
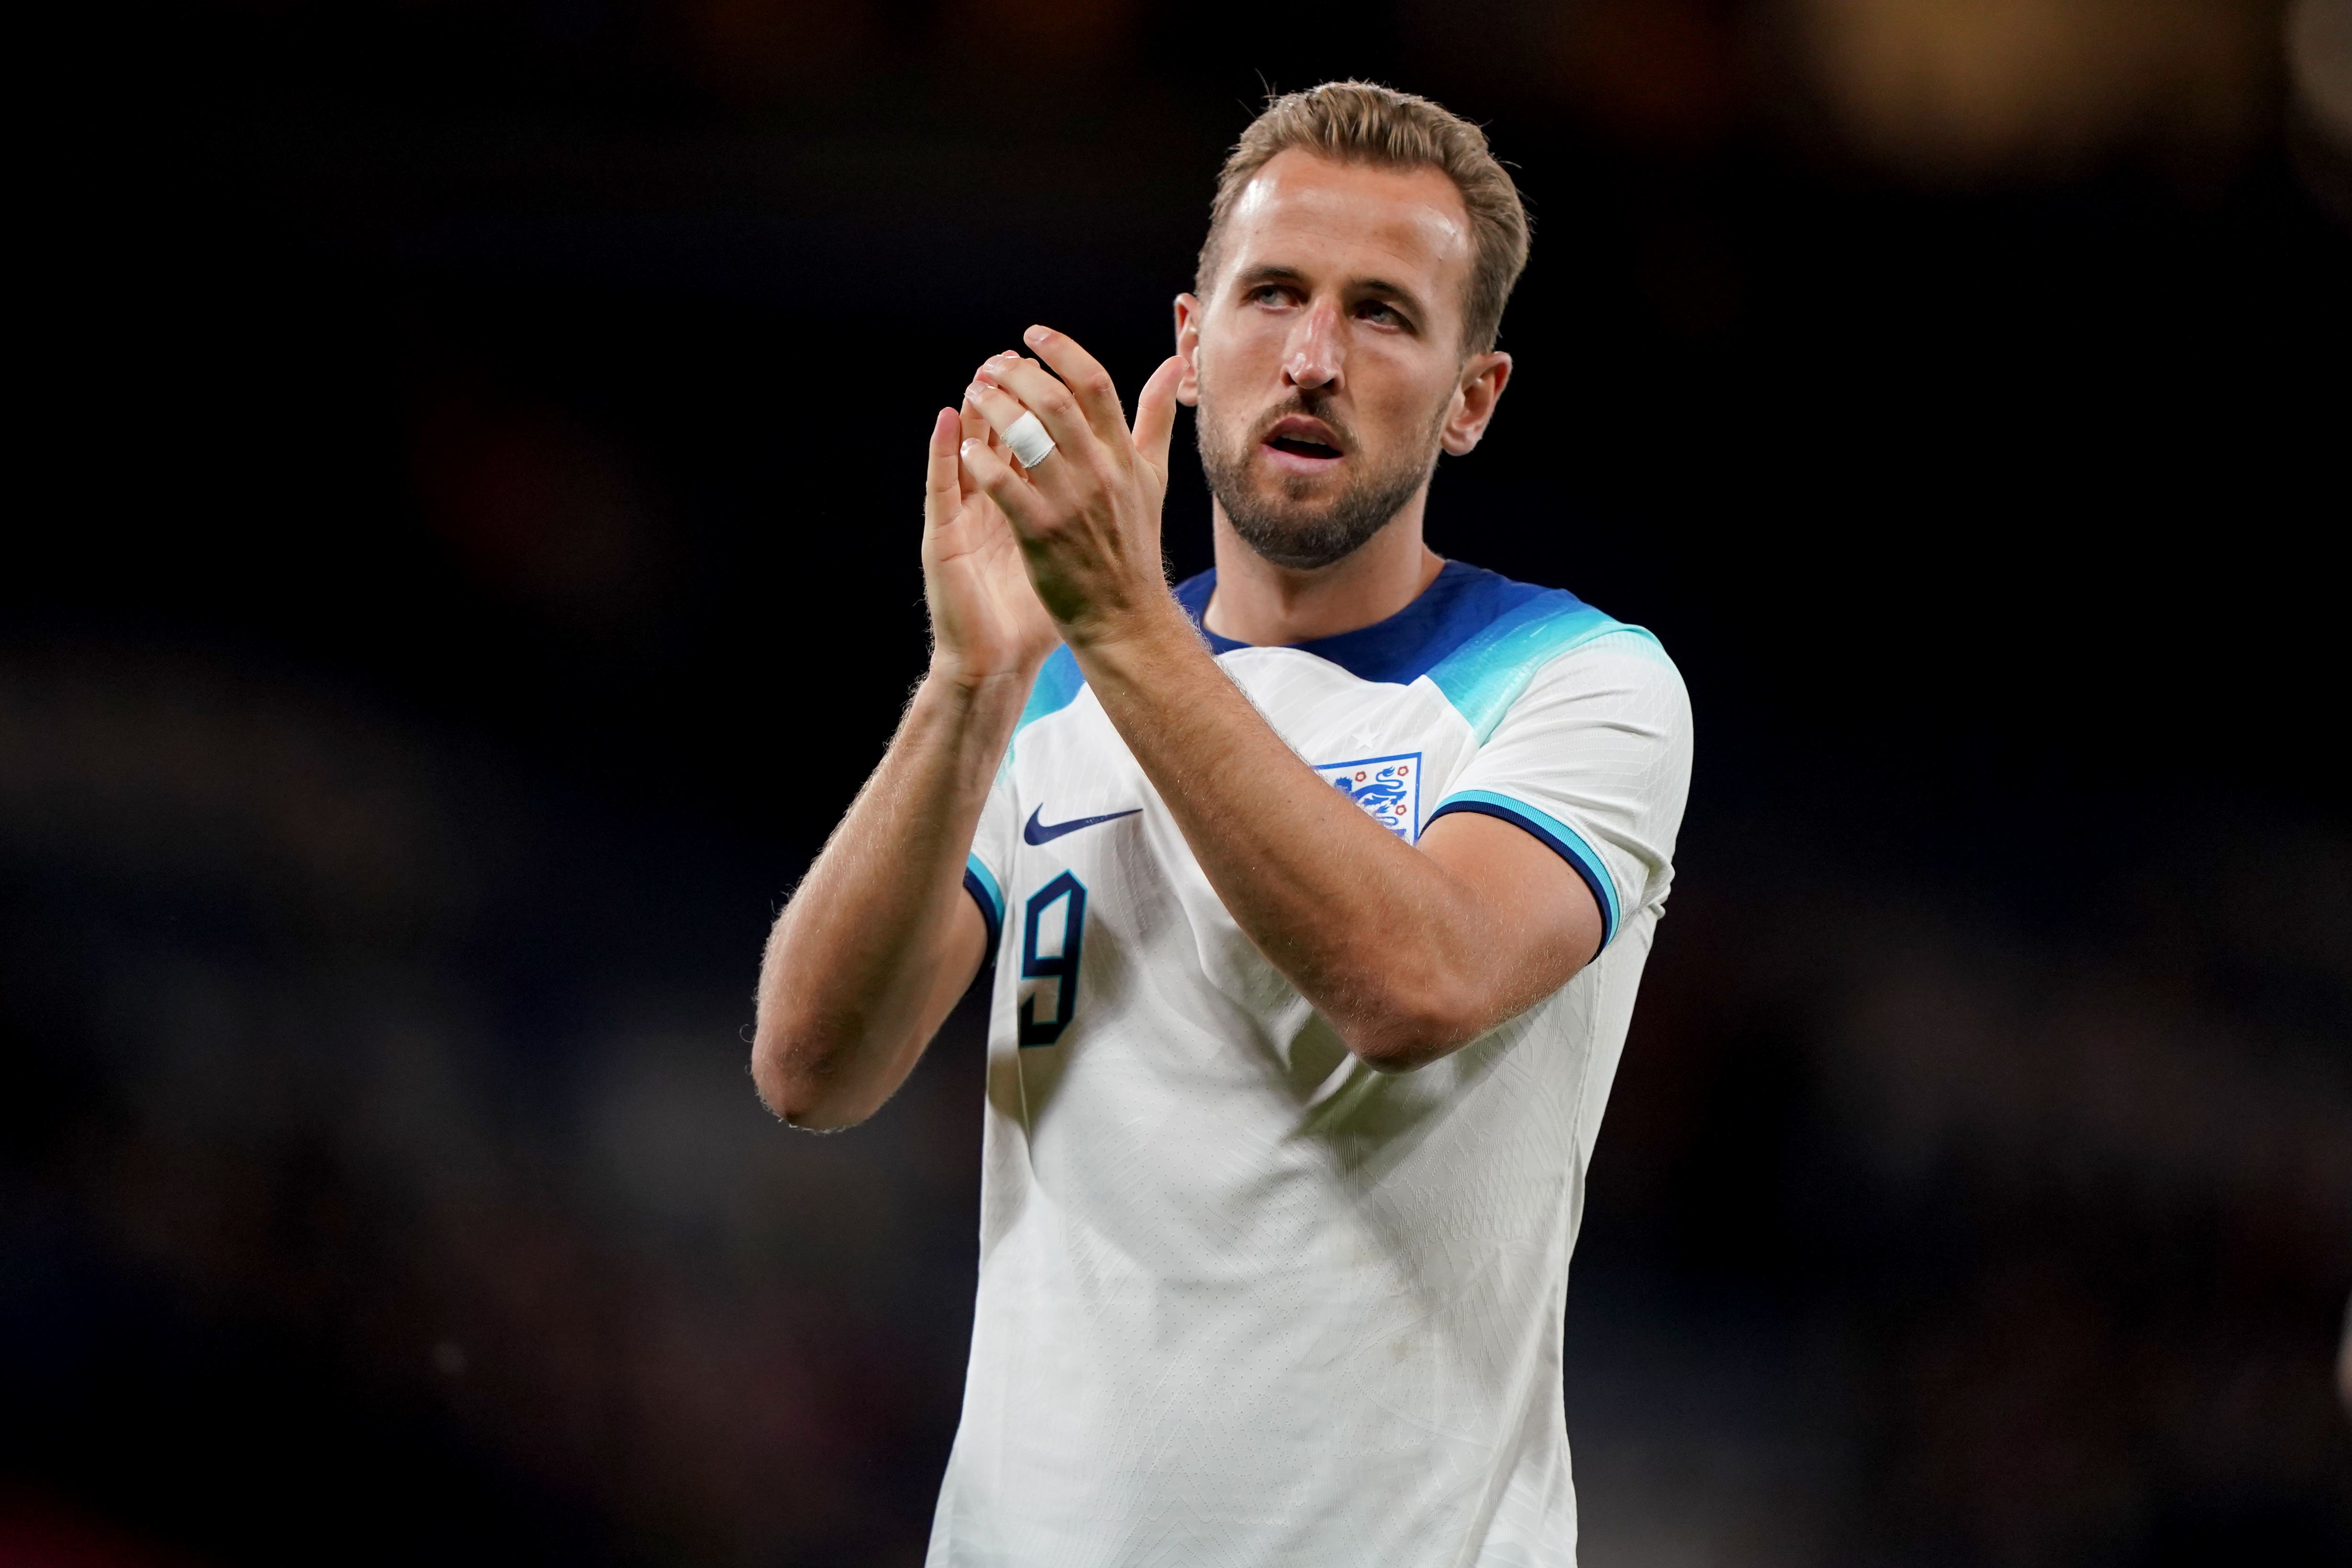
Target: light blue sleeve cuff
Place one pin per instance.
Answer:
(979, 883)
(1553, 834)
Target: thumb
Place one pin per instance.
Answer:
(1155, 415)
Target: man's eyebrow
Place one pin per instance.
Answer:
(1271, 272)
(1396, 291)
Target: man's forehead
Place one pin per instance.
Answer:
(1304, 213)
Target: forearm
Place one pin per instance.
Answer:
(1385, 942)
(864, 963)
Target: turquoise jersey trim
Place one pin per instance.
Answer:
(1556, 835)
(1485, 676)
(1057, 686)
(982, 886)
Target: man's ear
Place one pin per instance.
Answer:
(1483, 377)
(1188, 348)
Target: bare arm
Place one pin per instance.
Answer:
(1410, 950)
(880, 939)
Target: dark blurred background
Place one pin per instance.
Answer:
(465, 562)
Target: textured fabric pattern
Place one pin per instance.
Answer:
(1243, 1302)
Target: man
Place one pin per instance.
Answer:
(1319, 890)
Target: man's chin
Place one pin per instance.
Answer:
(1309, 495)
(1286, 515)
(1301, 538)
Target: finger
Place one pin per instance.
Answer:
(1155, 415)
(1089, 384)
(973, 426)
(994, 476)
(942, 492)
(1003, 411)
(976, 425)
(1036, 391)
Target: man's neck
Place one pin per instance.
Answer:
(1259, 602)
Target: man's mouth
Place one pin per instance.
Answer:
(1302, 446)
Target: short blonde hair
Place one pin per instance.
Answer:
(1364, 122)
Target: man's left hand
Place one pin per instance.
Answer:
(1088, 517)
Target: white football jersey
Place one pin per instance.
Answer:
(1244, 1301)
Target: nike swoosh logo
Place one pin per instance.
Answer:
(1037, 833)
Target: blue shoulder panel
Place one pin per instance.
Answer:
(1485, 675)
(1057, 686)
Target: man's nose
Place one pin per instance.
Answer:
(1312, 361)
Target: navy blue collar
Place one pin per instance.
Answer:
(1459, 602)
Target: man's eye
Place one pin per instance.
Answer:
(1266, 294)
(1373, 310)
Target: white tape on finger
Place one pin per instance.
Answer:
(1031, 445)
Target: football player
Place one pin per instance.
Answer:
(1318, 888)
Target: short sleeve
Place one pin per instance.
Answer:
(1592, 761)
(988, 867)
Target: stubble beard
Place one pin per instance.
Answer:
(1289, 529)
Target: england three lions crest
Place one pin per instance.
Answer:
(1387, 788)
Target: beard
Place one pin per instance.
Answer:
(1288, 529)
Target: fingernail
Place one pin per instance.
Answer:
(971, 393)
(1036, 335)
(966, 449)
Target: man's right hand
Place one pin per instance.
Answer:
(986, 620)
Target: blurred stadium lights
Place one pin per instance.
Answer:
(1983, 91)
(2319, 55)
(2320, 62)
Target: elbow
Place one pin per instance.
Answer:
(1406, 1031)
(794, 1071)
